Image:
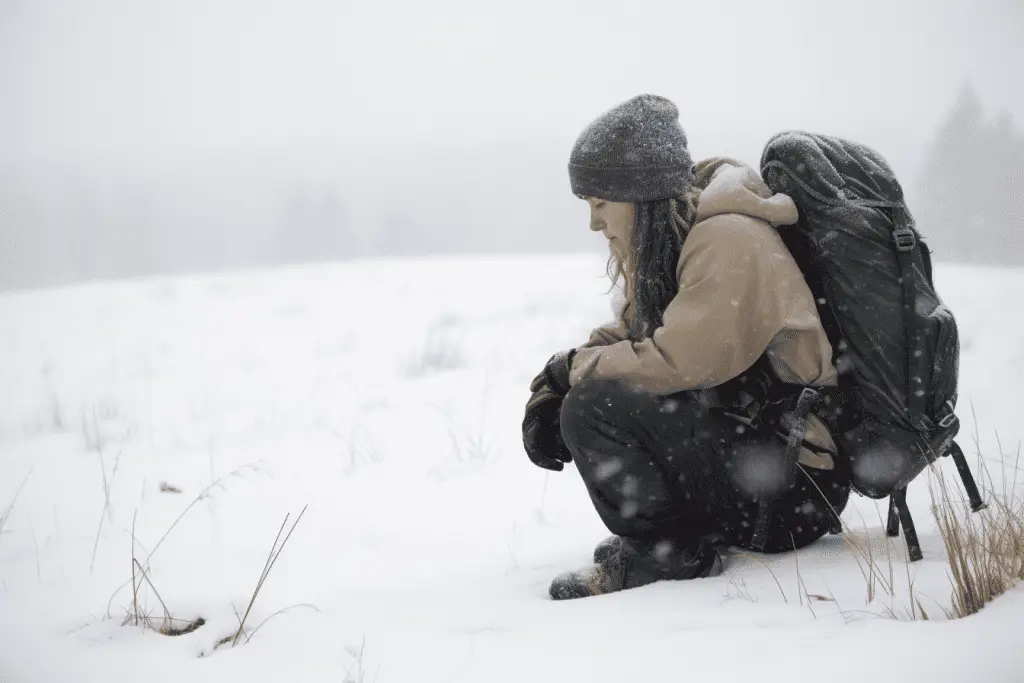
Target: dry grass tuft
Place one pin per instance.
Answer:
(986, 548)
(203, 495)
(141, 579)
(136, 613)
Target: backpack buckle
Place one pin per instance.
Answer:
(904, 238)
(947, 421)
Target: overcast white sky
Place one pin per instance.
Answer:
(408, 103)
(139, 78)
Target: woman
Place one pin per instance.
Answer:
(687, 418)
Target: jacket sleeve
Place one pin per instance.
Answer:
(605, 335)
(722, 319)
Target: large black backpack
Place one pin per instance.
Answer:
(895, 343)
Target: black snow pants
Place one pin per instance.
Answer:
(656, 470)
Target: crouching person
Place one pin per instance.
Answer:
(698, 418)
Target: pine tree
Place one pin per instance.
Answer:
(944, 216)
(972, 192)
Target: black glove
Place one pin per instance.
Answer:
(542, 431)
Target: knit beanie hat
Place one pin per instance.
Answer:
(635, 152)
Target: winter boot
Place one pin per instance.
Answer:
(637, 563)
(607, 548)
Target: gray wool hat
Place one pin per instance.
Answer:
(635, 152)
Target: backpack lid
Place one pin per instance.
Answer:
(831, 169)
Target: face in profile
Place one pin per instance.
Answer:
(614, 220)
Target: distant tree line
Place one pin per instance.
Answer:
(970, 201)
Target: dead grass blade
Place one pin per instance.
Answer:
(7, 512)
(202, 495)
(106, 512)
(765, 565)
(275, 553)
(277, 613)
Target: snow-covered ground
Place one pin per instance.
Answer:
(388, 397)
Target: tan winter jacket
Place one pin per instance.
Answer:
(741, 294)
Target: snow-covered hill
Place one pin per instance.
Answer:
(388, 397)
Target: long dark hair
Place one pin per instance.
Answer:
(659, 230)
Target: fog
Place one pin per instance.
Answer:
(141, 137)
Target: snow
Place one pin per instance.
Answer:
(388, 397)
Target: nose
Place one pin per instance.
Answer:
(597, 225)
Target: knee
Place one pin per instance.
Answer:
(593, 398)
(588, 403)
